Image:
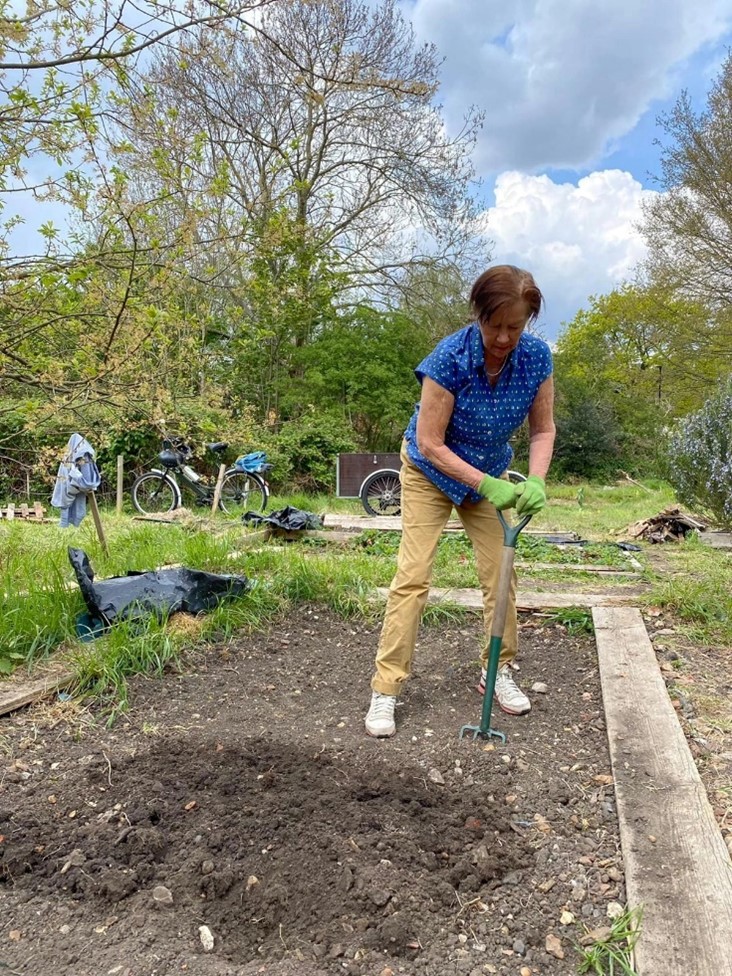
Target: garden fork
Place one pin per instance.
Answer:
(510, 537)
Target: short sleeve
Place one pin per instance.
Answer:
(544, 365)
(441, 366)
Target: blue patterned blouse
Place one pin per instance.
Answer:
(484, 417)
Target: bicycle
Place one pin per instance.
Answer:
(381, 492)
(244, 488)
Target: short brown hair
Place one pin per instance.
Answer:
(504, 284)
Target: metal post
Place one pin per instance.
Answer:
(120, 481)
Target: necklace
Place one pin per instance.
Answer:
(493, 375)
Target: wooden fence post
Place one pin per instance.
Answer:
(219, 486)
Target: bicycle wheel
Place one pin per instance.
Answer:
(153, 493)
(381, 493)
(242, 492)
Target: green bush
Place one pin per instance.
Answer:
(304, 451)
(700, 458)
(588, 443)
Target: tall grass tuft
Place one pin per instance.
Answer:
(612, 954)
(34, 622)
(103, 667)
(327, 580)
(700, 591)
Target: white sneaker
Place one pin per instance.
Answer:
(508, 694)
(380, 719)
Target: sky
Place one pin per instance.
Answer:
(571, 91)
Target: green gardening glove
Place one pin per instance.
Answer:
(498, 491)
(530, 495)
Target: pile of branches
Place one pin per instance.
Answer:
(670, 525)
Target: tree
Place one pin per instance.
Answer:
(63, 69)
(629, 355)
(312, 169)
(435, 297)
(327, 115)
(285, 299)
(66, 70)
(589, 437)
(634, 341)
(174, 233)
(689, 226)
(363, 365)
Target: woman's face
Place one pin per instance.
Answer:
(503, 329)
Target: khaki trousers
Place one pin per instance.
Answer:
(425, 511)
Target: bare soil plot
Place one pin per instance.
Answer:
(247, 789)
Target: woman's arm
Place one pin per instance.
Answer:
(541, 429)
(435, 410)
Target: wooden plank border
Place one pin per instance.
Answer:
(393, 523)
(677, 866)
(16, 694)
(717, 540)
(472, 599)
(579, 568)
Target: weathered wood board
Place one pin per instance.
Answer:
(393, 523)
(717, 540)
(525, 600)
(15, 694)
(677, 866)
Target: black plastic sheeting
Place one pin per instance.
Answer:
(289, 518)
(159, 592)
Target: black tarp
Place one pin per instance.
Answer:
(289, 518)
(158, 592)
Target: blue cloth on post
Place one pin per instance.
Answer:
(484, 417)
(77, 475)
(74, 514)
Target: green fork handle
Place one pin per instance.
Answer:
(512, 532)
(510, 538)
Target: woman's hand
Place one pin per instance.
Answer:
(531, 495)
(498, 491)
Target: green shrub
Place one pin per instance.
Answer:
(304, 451)
(588, 437)
(700, 458)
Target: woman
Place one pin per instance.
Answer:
(478, 386)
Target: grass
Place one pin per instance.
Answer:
(42, 603)
(698, 590)
(317, 503)
(576, 620)
(40, 609)
(611, 954)
(531, 548)
(605, 510)
(455, 565)
(103, 667)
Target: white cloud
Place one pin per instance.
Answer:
(576, 240)
(561, 80)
